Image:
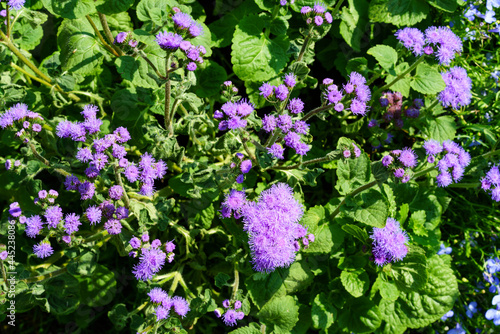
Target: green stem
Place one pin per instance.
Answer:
(317, 111)
(118, 179)
(8, 22)
(400, 76)
(177, 278)
(329, 157)
(37, 155)
(98, 33)
(45, 276)
(305, 45)
(20, 69)
(145, 57)
(352, 194)
(108, 33)
(236, 282)
(337, 8)
(168, 124)
(435, 103)
(273, 16)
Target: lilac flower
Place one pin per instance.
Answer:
(448, 43)
(230, 317)
(412, 39)
(131, 173)
(272, 226)
(53, 215)
(357, 107)
(285, 123)
(71, 182)
(16, 4)
(135, 242)
(444, 250)
(34, 225)
(328, 17)
(301, 127)
(276, 150)
(113, 226)
(245, 166)
(290, 80)
(118, 151)
(305, 10)
(151, 261)
(181, 306)
(170, 246)
(43, 250)
(8, 164)
(120, 38)
(191, 66)
(72, 222)
(266, 90)
(182, 20)
(84, 154)
(89, 111)
(432, 147)
(162, 313)
(37, 127)
(168, 40)
(237, 305)
(121, 213)
(269, 123)
(389, 243)
(281, 92)
(122, 135)
(157, 295)
(458, 88)
(195, 30)
(4, 255)
(408, 158)
(116, 192)
(296, 106)
(233, 202)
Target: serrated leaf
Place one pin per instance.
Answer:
(385, 55)
(417, 223)
(353, 24)
(441, 128)
(63, 294)
(370, 208)
(323, 313)
(388, 290)
(398, 12)
(210, 79)
(263, 58)
(355, 231)
(427, 80)
(156, 11)
(445, 5)
(355, 282)
(302, 176)
(282, 313)
(402, 85)
(410, 274)
(118, 316)
(328, 236)
(70, 9)
(352, 173)
(360, 315)
(221, 280)
(420, 308)
(253, 328)
(100, 288)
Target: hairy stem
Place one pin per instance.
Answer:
(45, 276)
(168, 124)
(329, 157)
(37, 155)
(177, 278)
(236, 281)
(317, 111)
(305, 45)
(108, 33)
(98, 33)
(145, 57)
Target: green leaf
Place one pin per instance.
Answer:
(323, 313)
(80, 49)
(355, 282)
(210, 79)
(354, 22)
(360, 315)
(420, 308)
(84, 264)
(253, 328)
(402, 85)
(427, 80)
(282, 313)
(266, 5)
(155, 10)
(302, 176)
(441, 128)
(388, 290)
(410, 274)
(398, 12)
(100, 289)
(63, 294)
(403, 213)
(300, 69)
(279, 26)
(70, 9)
(118, 316)
(223, 29)
(263, 58)
(221, 280)
(355, 231)
(417, 223)
(385, 55)
(114, 6)
(352, 173)
(445, 5)
(370, 207)
(328, 236)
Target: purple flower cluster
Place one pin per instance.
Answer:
(454, 158)
(280, 93)
(356, 89)
(147, 171)
(46, 197)
(43, 249)
(352, 150)
(230, 315)
(233, 202)
(401, 162)
(152, 257)
(442, 38)
(122, 38)
(243, 165)
(290, 129)
(317, 14)
(78, 131)
(193, 54)
(25, 122)
(16, 4)
(272, 224)
(491, 183)
(458, 88)
(389, 243)
(234, 114)
(164, 303)
(393, 101)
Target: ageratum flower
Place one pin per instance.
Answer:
(389, 243)
(273, 228)
(150, 262)
(412, 39)
(447, 42)
(43, 250)
(458, 88)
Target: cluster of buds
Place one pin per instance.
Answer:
(143, 242)
(280, 93)
(317, 14)
(230, 315)
(46, 197)
(349, 151)
(401, 162)
(124, 38)
(151, 256)
(9, 164)
(395, 111)
(242, 165)
(229, 90)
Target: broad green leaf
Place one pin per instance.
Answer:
(282, 313)
(266, 5)
(360, 315)
(427, 80)
(114, 6)
(118, 316)
(253, 328)
(84, 264)
(445, 5)
(323, 313)
(398, 12)
(388, 290)
(417, 223)
(402, 85)
(279, 26)
(156, 11)
(410, 274)
(63, 294)
(210, 79)
(302, 176)
(70, 9)
(404, 210)
(354, 21)
(441, 128)
(355, 231)
(355, 282)
(263, 58)
(81, 51)
(370, 208)
(358, 64)
(352, 173)
(221, 280)
(328, 236)
(300, 69)
(385, 55)
(420, 308)
(138, 71)
(100, 289)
